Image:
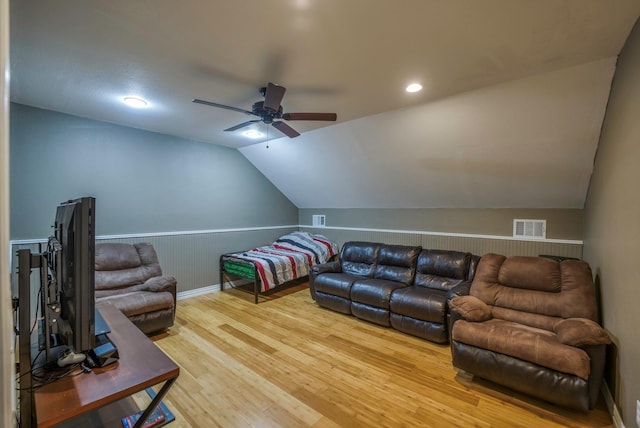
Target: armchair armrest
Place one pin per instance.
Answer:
(159, 284)
(471, 308)
(581, 332)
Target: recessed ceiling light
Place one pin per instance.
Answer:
(135, 102)
(253, 134)
(414, 87)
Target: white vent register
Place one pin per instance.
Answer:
(529, 229)
(318, 220)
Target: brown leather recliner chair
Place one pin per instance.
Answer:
(529, 323)
(129, 277)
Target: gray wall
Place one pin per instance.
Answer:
(142, 181)
(612, 228)
(562, 224)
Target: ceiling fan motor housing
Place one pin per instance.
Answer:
(269, 110)
(264, 113)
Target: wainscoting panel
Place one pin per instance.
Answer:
(192, 258)
(475, 245)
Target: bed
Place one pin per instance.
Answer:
(287, 260)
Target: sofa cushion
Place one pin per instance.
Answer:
(421, 303)
(120, 265)
(116, 256)
(337, 284)
(139, 302)
(441, 269)
(531, 273)
(397, 263)
(374, 292)
(359, 258)
(573, 297)
(530, 344)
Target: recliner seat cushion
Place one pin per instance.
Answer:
(337, 284)
(374, 292)
(139, 302)
(420, 303)
(530, 344)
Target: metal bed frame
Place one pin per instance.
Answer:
(256, 278)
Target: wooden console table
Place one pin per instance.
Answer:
(141, 365)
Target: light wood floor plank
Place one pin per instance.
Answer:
(288, 363)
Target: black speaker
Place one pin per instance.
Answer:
(105, 352)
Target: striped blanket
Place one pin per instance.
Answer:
(289, 257)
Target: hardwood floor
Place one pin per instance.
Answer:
(288, 363)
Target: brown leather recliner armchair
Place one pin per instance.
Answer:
(529, 323)
(129, 277)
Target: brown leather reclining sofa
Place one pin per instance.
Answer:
(129, 277)
(404, 287)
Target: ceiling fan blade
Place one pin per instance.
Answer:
(273, 96)
(242, 125)
(310, 116)
(286, 129)
(209, 103)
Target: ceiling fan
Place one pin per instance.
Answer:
(271, 109)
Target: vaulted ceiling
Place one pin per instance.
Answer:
(514, 91)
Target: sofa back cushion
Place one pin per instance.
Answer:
(442, 269)
(359, 258)
(397, 263)
(119, 265)
(535, 291)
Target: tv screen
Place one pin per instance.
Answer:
(75, 231)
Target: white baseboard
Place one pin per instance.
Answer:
(611, 405)
(197, 292)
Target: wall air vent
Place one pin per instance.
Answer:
(318, 220)
(529, 229)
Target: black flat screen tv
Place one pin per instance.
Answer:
(75, 231)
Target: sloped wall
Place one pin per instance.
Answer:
(612, 228)
(143, 181)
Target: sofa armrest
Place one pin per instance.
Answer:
(581, 332)
(330, 267)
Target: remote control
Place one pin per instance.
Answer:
(70, 357)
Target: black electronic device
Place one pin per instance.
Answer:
(74, 271)
(104, 353)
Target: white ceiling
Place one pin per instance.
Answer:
(513, 99)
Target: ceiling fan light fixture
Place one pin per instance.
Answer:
(135, 102)
(414, 87)
(253, 134)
